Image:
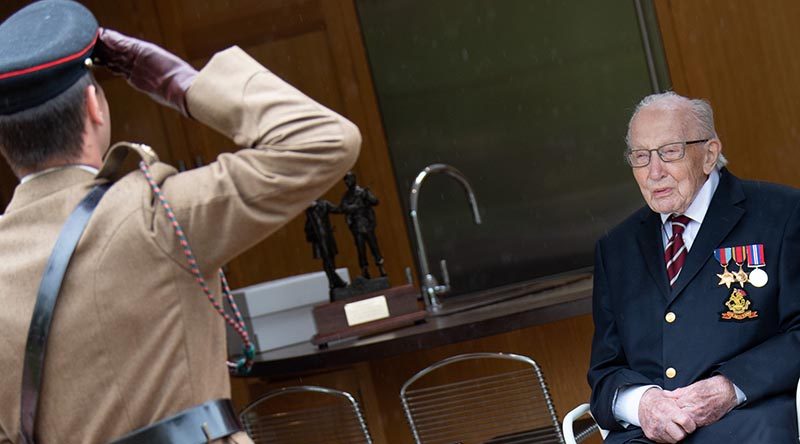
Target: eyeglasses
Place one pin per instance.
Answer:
(667, 153)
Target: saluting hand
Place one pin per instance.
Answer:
(148, 67)
(662, 420)
(706, 401)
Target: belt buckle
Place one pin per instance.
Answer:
(206, 432)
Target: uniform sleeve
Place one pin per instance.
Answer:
(293, 150)
(608, 369)
(755, 371)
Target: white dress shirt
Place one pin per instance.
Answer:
(696, 212)
(626, 403)
(32, 176)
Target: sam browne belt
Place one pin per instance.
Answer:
(197, 425)
(50, 286)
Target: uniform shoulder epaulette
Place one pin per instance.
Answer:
(115, 159)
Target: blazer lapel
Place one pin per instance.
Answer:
(723, 214)
(649, 238)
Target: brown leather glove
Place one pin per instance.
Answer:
(149, 68)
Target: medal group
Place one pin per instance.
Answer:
(738, 304)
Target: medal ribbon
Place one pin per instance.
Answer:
(723, 255)
(755, 255)
(739, 253)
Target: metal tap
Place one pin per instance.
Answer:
(431, 289)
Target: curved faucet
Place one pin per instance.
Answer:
(430, 286)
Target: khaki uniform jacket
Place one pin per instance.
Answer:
(134, 339)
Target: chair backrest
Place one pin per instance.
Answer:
(305, 415)
(484, 398)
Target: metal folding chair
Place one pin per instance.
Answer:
(575, 433)
(485, 398)
(305, 415)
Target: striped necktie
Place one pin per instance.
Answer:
(675, 254)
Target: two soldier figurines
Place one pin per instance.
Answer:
(357, 206)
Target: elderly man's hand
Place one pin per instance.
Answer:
(706, 401)
(661, 418)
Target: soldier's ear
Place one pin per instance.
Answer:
(94, 108)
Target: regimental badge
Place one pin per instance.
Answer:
(723, 256)
(738, 307)
(755, 260)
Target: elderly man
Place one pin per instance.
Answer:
(697, 295)
(136, 353)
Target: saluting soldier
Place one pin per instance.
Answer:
(133, 341)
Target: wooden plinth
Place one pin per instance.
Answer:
(332, 322)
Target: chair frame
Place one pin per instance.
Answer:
(568, 429)
(472, 356)
(311, 388)
(797, 407)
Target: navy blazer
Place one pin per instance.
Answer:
(633, 343)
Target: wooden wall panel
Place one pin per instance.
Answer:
(313, 44)
(310, 43)
(741, 56)
(7, 178)
(7, 183)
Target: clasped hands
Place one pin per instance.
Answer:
(671, 415)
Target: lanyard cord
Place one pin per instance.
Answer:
(242, 366)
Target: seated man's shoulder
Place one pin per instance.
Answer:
(769, 190)
(772, 197)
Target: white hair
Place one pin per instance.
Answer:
(699, 109)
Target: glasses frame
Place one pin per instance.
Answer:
(629, 151)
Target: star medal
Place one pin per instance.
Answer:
(723, 255)
(739, 254)
(755, 260)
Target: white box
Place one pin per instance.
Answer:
(279, 313)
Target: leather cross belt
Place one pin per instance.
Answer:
(201, 424)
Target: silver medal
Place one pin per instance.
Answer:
(758, 277)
